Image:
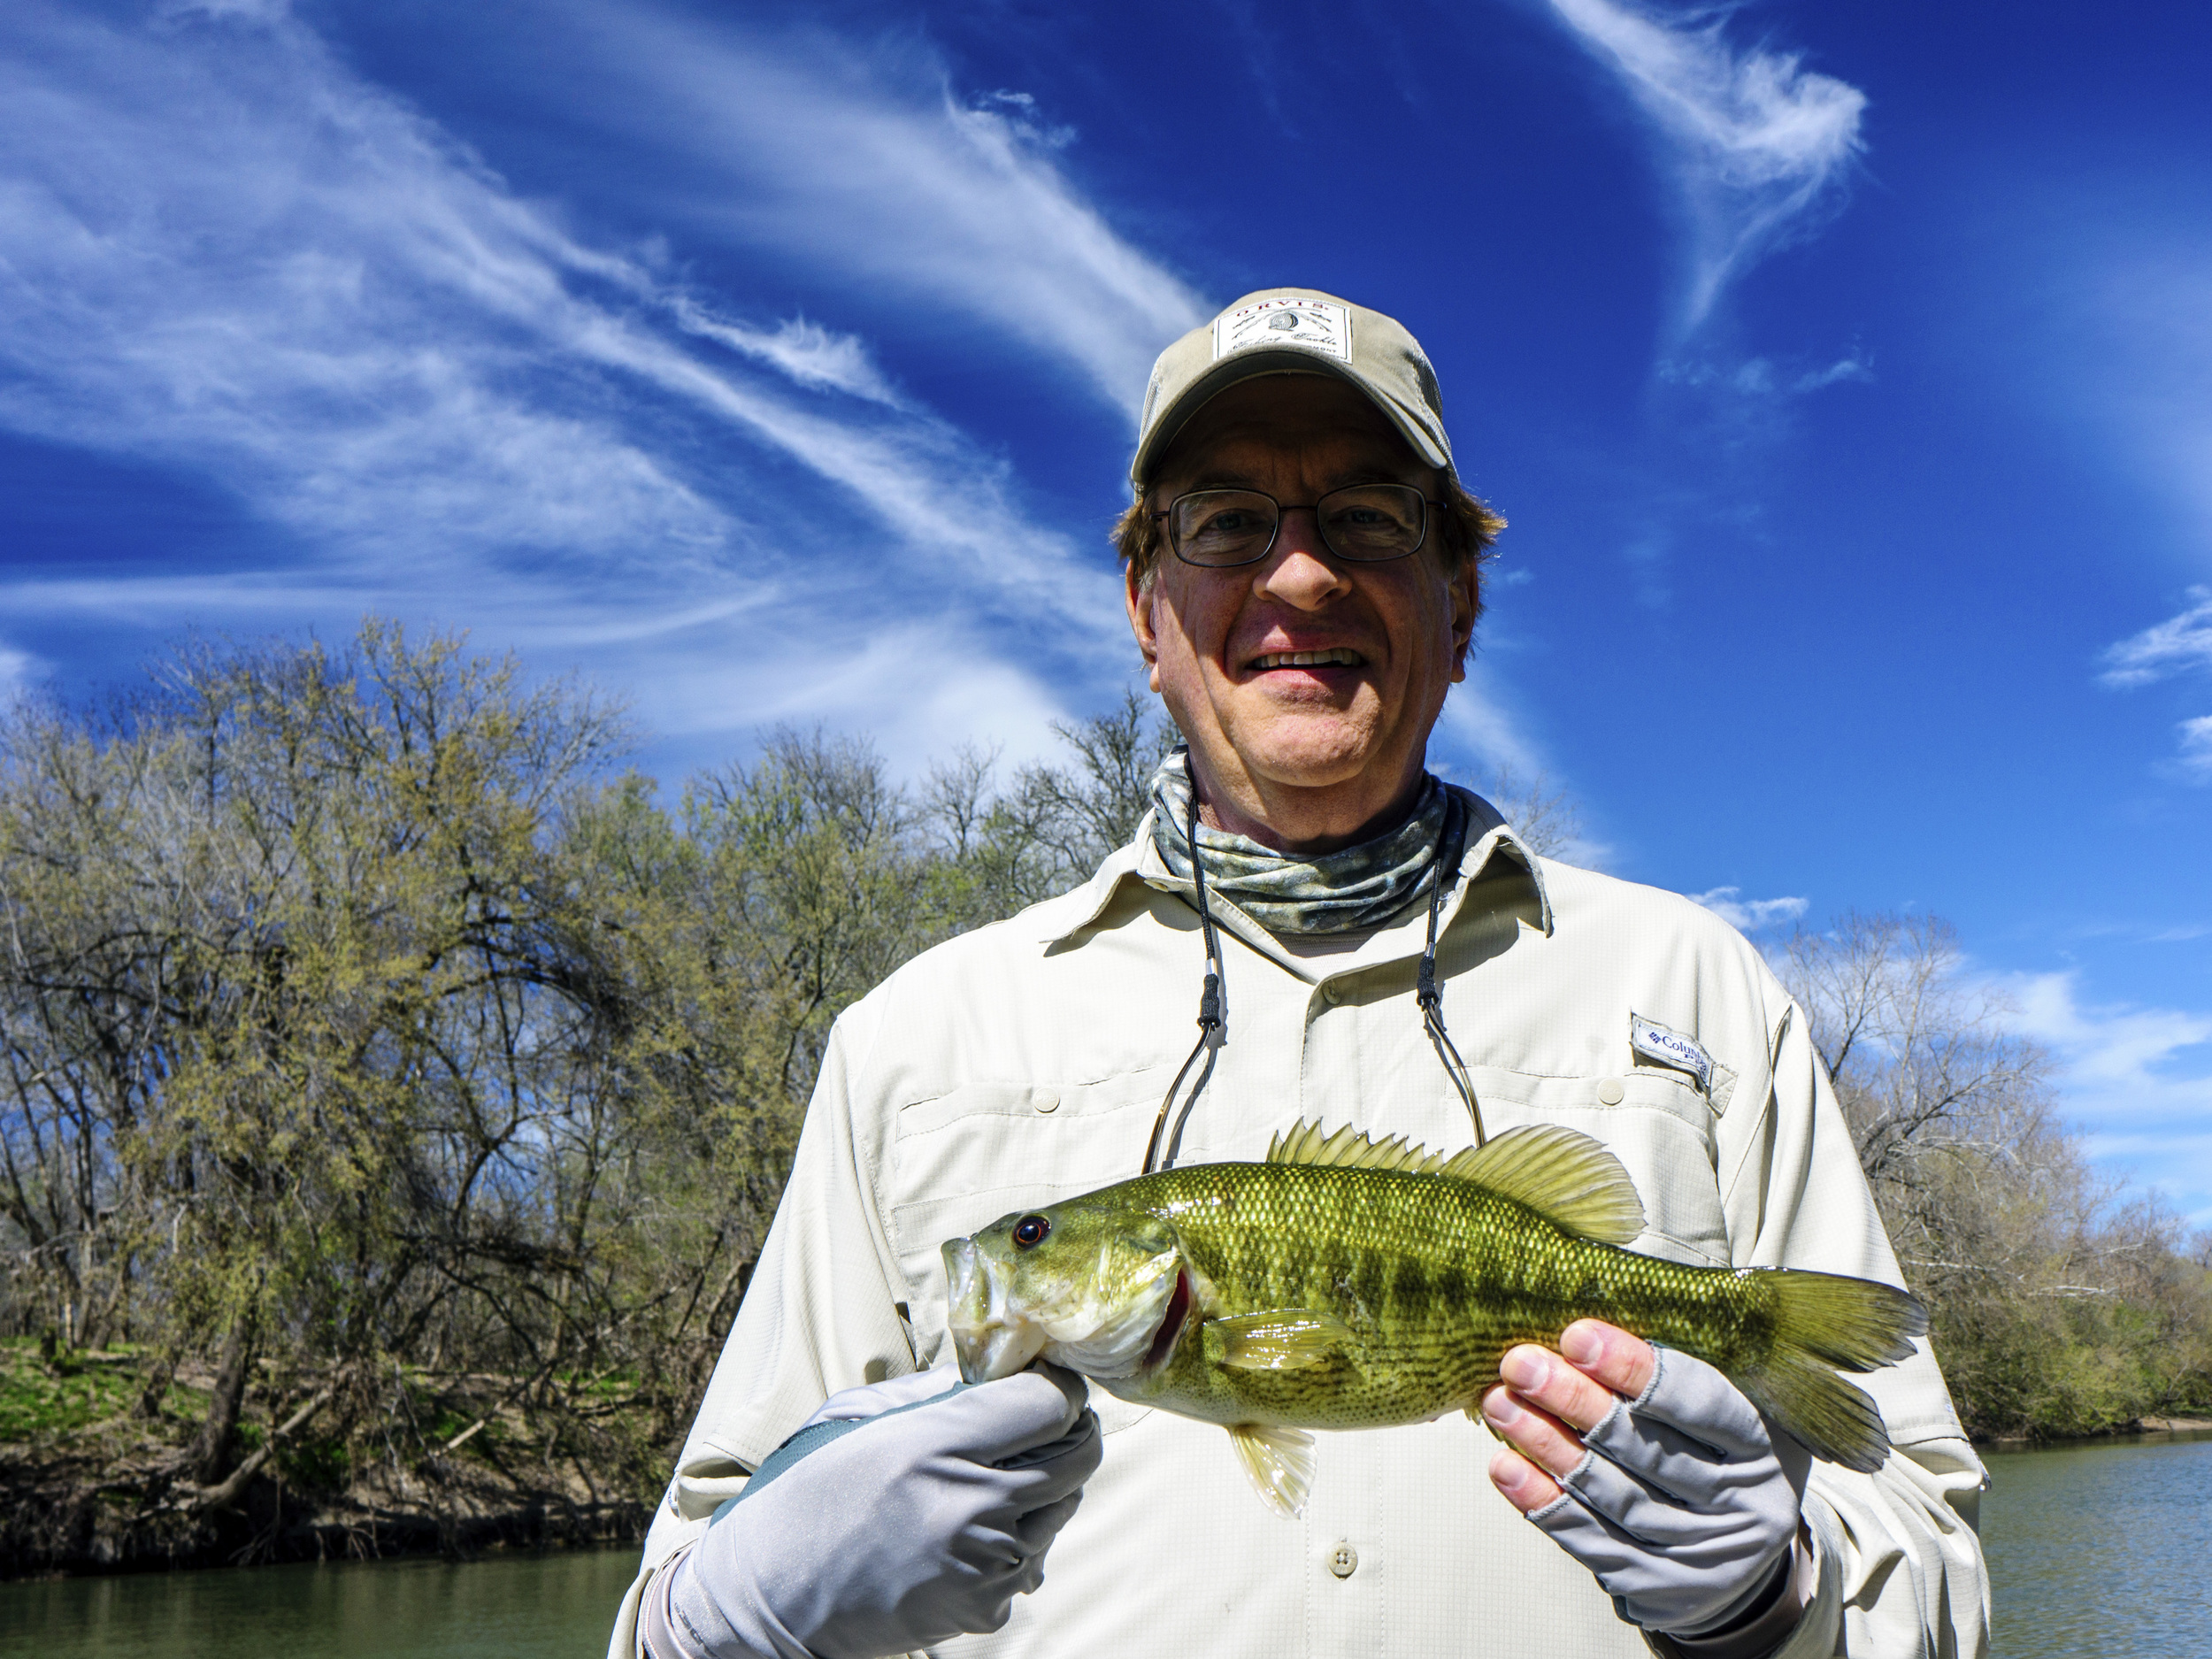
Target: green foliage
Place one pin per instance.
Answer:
(2056, 1308)
(44, 1399)
(370, 1047)
(375, 1053)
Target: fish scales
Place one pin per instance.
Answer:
(1436, 1279)
(1350, 1284)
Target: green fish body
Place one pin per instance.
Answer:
(1346, 1284)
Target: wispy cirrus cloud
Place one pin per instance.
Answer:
(1757, 146)
(859, 162)
(2196, 748)
(2177, 646)
(223, 252)
(1749, 914)
(2138, 1079)
(2179, 643)
(17, 669)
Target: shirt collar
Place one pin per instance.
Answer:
(1139, 860)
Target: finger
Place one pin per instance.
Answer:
(1699, 1401)
(1524, 1486)
(1610, 1356)
(1537, 1435)
(1062, 1469)
(1072, 1384)
(1036, 1530)
(1542, 1378)
(1651, 1516)
(1001, 1419)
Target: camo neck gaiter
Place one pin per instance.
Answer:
(1356, 887)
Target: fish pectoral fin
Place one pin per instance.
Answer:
(1279, 1462)
(1281, 1338)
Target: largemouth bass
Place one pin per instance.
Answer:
(1346, 1284)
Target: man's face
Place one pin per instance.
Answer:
(1301, 754)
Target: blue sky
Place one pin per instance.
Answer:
(1845, 373)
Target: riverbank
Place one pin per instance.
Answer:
(2134, 1429)
(96, 1477)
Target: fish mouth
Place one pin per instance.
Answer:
(988, 1337)
(1107, 1338)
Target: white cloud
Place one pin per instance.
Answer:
(1477, 724)
(858, 160)
(1749, 915)
(1757, 145)
(2175, 646)
(17, 669)
(809, 354)
(2138, 1079)
(2196, 748)
(2171, 647)
(223, 252)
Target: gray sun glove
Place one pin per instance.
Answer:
(1683, 1507)
(924, 1523)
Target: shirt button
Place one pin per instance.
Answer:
(1609, 1092)
(1343, 1560)
(1333, 992)
(1047, 1101)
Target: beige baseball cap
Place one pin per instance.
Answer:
(1294, 331)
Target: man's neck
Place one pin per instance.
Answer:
(1310, 821)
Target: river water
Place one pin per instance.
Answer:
(2093, 1550)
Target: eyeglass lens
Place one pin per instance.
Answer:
(1364, 523)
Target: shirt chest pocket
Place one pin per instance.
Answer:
(981, 1150)
(1655, 1122)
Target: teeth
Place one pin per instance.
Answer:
(1310, 659)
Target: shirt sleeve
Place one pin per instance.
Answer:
(820, 1314)
(1900, 1560)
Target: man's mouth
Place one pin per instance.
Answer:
(1336, 656)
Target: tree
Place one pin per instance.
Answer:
(2058, 1305)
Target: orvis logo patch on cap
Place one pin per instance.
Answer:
(1320, 326)
(1654, 1042)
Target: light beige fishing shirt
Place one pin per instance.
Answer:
(1024, 1063)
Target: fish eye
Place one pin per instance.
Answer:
(1030, 1232)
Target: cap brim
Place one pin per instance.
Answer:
(1246, 365)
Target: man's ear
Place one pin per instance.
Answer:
(1465, 588)
(1138, 594)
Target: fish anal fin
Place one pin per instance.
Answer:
(1280, 1464)
(1347, 1149)
(1562, 1174)
(1281, 1338)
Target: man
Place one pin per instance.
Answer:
(1303, 583)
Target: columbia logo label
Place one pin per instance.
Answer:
(1655, 1041)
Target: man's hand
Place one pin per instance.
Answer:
(1652, 1471)
(922, 1523)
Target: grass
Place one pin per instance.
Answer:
(43, 1400)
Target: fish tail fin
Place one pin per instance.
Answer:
(1824, 1322)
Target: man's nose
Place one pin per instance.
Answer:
(1299, 569)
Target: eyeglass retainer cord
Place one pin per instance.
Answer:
(1213, 1031)
(1213, 1034)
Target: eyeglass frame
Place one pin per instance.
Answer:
(1313, 507)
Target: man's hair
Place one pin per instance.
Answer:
(1465, 530)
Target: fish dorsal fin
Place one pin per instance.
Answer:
(1347, 1149)
(1562, 1174)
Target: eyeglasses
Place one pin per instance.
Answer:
(1362, 524)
